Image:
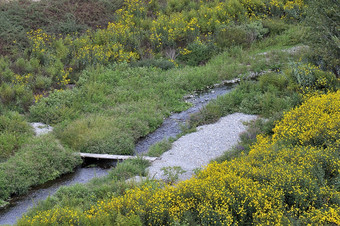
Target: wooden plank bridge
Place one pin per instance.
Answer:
(115, 157)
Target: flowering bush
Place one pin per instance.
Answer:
(316, 122)
(311, 79)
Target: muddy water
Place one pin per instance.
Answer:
(170, 128)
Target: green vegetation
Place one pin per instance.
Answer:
(39, 160)
(106, 73)
(112, 107)
(14, 131)
(172, 173)
(325, 35)
(159, 148)
(270, 96)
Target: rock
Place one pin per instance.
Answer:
(41, 128)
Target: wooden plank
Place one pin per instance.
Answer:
(115, 157)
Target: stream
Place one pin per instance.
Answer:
(170, 128)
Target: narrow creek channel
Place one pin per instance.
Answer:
(170, 128)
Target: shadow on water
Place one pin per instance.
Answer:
(92, 168)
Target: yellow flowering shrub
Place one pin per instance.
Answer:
(311, 80)
(136, 28)
(274, 185)
(315, 122)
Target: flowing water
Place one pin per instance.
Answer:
(170, 128)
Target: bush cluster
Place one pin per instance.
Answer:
(14, 132)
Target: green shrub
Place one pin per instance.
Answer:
(172, 173)
(16, 97)
(130, 168)
(232, 36)
(275, 26)
(42, 82)
(278, 80)
(256, 31)
(55, 108)
(40, 160)
(179, 6)
(323, 18)
(96, 134)
(7, 93)
(266, 97)
(6, 74)
(310, 78)
(198, 53)
(14, 132)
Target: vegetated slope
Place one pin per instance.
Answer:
(106, 102)
(186, 32)
(112, 107)
(288, 178)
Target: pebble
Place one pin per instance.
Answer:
(196, 150)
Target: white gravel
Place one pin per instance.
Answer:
(197, 149)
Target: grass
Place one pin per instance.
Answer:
(273, 95)
(159, 148)
(265, 97)
(288, 176)
(41, 159)
(111, 108)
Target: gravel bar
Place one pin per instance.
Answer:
(196, 150)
